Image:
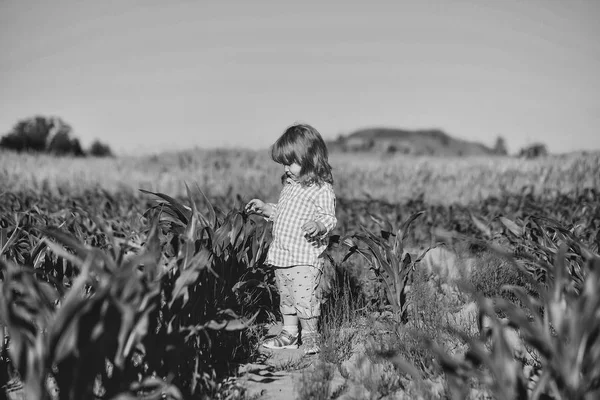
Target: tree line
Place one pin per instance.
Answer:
(52, 135)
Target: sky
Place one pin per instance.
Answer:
(147, 75)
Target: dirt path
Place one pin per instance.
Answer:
(269, 382)
(278, 376)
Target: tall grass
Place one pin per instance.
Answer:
(227, 173)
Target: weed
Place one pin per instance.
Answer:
(315, 382)
(339, 316)
(294, 364)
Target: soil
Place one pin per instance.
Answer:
(278, 375)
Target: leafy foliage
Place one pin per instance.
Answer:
(102, 313)
(559, 323)
(391, 264)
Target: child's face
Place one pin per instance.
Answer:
(292, 170)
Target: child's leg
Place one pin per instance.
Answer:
(288, 337)
(286, 300)
(290, 323)
(308, 305)
(305, 290)
(309, 326)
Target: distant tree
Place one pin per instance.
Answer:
(13, 142)
(77, 150)
(30, 134)
(99, 149)
(61, 144)
(500, 146)
(42, 134)
(534, 151)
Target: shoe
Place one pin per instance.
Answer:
(311, 344)
(284, 340)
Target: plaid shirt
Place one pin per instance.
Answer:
(296, 206)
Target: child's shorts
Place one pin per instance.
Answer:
(299, 289)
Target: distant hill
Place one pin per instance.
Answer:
(416, 142)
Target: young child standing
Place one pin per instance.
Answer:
(302, 219)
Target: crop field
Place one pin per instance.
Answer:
(142, 278)
(226, 174)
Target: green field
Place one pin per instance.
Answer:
(393, 178)
(111, 292)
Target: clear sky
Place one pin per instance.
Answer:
(148, 75)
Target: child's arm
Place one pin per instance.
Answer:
(271, 208)
(325, 203)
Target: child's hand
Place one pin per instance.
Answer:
(313, 229)
(256, 206)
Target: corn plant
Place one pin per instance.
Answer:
(560, 323)
(391, 264)
(102, 317)
(214, 275)
(561, 327)
(536, 241)
(104, 322)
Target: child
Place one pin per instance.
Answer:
(302, 219)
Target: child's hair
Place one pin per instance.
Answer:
(303, 145)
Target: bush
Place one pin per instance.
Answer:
(99, 149)
(534, 151)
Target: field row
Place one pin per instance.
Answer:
(228, 173)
